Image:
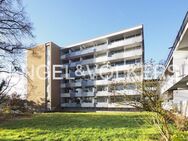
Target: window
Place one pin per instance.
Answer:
(101, 88)
(133, 48)
(137, 60)
(65, 100)
(87, 100)
(117, 39)
(116, 99)
(65, 90)
(120, 87)
(130, 86)
(130, 61)
(101, 99)
(121, 74)
(119, 63)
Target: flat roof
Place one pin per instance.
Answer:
(105, 36)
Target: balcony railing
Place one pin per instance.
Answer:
(103, 47)
(102, 104)
(133, 40)
(70, 105)
(118, 92)
(86, 51)
(87, 104)
(65, 94)
(170, 81)
(101, 82)
(72, 84)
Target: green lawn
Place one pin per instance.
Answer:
(81, 127)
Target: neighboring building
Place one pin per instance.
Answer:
(119, 52)
(42, 89)
(175, 85)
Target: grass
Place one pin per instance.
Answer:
(82, 127)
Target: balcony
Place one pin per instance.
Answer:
(86, 94)
(73, 64)
(129, 92)
(102, 93)
(87, 104)
(72, 84)
(168, 83)
(119, 68)
(101, 82)
(104, 47)
(87, 61)
(65, 94)
(88, 83)
(101, 48)
(102, 105)
(101, 59)
(85, 51)
(122, 105)
(76, 83)
(70, 105)
(63, 85)
(118, 92)
(172, 82)
(104, 70)
(129, 41)
(131, 53)
(126, 54)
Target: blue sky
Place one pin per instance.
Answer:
(70, 21)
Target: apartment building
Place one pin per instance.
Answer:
(175, 78)
(91, 72)
(95, 66)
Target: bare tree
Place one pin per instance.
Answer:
(15, 30)
(150, 100)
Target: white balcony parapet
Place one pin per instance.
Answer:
(101, 82)
(84, 94)
(85, 51)
(170, 81)
(119, 105)
(72, 84)
(102, 104)
(118, 68)
(111, 69)
(102, 93)
(103, 47)
(129, 41)
(118, 92)
(70, 105)
(87, 104)
(77, 105)
(126, 54)
(65, 95)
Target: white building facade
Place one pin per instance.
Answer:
(92, 68)
(175, 77)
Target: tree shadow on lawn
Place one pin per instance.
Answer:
(55, 121)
